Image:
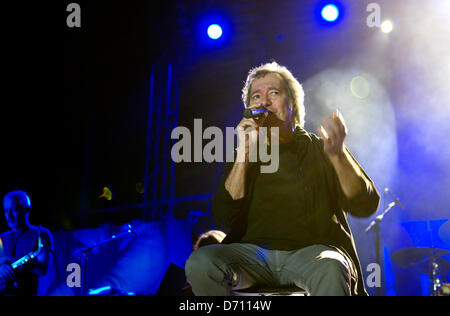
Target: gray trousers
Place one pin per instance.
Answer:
(218, 269)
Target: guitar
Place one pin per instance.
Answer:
(16, 265)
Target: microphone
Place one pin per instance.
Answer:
(251, 113)
(396, 200)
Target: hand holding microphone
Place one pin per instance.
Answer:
(248, 129)
(252, 113)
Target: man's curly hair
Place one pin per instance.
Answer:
(294, 88)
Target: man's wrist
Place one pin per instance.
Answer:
(338, 158)
(241, 155)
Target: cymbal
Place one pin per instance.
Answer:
(420, 258)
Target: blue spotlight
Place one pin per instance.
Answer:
(214, 31)
(330, 13)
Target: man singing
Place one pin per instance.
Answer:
(288, 227)
(22, 239)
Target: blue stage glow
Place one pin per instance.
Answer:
(330, 13)
(215, 31)
(99, 290)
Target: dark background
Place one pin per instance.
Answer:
(78, 117)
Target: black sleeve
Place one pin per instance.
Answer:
(365, 203)
(224, 208)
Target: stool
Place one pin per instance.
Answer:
(290, 290)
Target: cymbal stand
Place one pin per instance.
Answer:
(434, 278)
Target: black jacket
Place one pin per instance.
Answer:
(330, 204)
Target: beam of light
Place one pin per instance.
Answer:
(422, 62)
(215, 31)
(330, 13)
(1, 247)
(387, 26)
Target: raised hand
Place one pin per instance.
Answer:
(6, 273)
(333, 132)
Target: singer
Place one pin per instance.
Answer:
(289, 227)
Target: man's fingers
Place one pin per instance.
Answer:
(322, 133)
(329, 130)
(245, 123)
(260, 119)
(337, 126)
(11, 272)
(340, 119)
(333, 128)
(7, 273)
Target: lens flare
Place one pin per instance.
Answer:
(140, 188)
(360, 87)
(107, 194)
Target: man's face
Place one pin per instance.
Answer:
(15, 215)
(270, 92)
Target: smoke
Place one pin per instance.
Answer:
(422, 66)
(368, 114)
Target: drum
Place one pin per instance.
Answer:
(444, 290)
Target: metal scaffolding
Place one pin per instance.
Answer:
(159, 174)
(159, 178)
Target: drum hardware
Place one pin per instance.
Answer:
(425, 260)
(444, 290)
(83, 253)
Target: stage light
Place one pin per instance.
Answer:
(387, 26)
(214, 31)
(330, 13)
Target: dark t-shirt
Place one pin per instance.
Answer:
(17, 245)
(280, 212)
